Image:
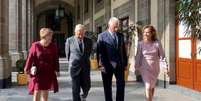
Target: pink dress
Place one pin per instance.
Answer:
(47, 63)
(147, 59)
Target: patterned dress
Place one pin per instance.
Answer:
(46, 61)
(148, 59)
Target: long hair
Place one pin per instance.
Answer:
(153, 32)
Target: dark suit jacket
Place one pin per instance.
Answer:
(78, 61)
(107, 53)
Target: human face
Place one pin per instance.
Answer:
(113, 27)
(48, 37)
(79, 34)
(147, 34)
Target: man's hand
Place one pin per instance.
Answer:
(101, 68)
(125, 68)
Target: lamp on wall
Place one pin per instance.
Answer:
(59, 12)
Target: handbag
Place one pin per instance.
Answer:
(33, 70)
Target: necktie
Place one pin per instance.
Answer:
(80, 46)
(115, 40)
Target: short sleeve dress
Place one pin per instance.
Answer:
(148, 59)
(47, 63)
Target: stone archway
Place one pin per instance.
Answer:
(62, 27)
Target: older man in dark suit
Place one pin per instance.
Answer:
(112, 59)
(78, 49)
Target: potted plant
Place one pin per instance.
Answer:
(93, 62)
(21, 76)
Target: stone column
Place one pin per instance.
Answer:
(24, 28)
(132, 7)
(107, 4)
(13, 34)
(154, 13)
(5, 68)
(93, 14)
(30, 23)
(143, 12)
(79, 4)
(170, 38)
(132, 11)
(91, 9)
(19, 26)
(163, 18)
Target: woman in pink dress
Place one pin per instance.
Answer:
(43, 55)
(149, 54)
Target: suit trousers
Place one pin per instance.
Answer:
(81, 81)
(120, 83)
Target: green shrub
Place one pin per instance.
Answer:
(20, 65)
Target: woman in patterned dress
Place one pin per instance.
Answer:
(149, 54)
(43, 55)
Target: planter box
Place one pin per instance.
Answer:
(126, 72)
(94, 64)
(22, 79)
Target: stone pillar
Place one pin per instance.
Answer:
(170, 38)
(5, 68)
(13, 34)
(79, 4)
(132, 11)
(93, 16)
(107, 5)
(91, 10)
(19, 26)
(30, 23)
(132, 17)
(24, 28)
(143, 12)
(12, 25)
(154, 13)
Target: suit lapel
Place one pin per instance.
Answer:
(85, 44)
(119, 40)
(110, 38)
(76, 45)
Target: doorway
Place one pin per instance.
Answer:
(188, 59)
(62, 27)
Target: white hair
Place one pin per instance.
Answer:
(79, 27)
(112, 20)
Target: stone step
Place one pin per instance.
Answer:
(63, 63)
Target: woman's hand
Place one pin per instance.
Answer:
(57, 74)
(27, 72)
(167, 71)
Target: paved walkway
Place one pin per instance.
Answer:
(134, 91)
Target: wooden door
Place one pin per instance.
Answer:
(188, 60)
(184, 60)
(197, 70)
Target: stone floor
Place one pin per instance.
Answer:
(134, 91)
